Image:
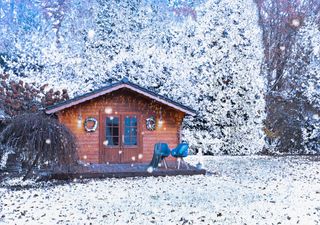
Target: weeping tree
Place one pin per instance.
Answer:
(39, 141)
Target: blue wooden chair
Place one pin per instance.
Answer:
(161, 151)
(180, 152)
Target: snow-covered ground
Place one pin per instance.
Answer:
(240, 190)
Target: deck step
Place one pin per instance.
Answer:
(120, 171)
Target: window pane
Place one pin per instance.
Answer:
(130, 130)
(110, 141)
(112, 121)
(108, 131)
(134, 140)
(134, 121)
(112, 131)
(115, 131)
(108, 122)
(127, 131)
(127, 121)
(115, 140)
(127, 140)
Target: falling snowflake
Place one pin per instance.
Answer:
(150, 169)
(295, 22)
(91, 34)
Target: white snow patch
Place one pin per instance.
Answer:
(238, 190)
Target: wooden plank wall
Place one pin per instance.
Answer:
(123, 101)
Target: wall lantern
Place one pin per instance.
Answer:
(79, 120)
(108, 110)
(160, 123)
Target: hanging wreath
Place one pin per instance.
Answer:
(151, 123)
(88, 127)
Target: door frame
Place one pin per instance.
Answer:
(137, 148)
(102, 135)
(121, 146)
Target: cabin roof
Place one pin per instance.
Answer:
(124, 83)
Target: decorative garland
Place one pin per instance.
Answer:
(151, 123)
(93, 128)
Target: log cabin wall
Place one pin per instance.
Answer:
(120, 102)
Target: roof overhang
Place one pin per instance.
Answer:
(89, 96)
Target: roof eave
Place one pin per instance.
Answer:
(130, 86)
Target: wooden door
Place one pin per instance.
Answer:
(110, 139)
(130, 138)
(120, 138)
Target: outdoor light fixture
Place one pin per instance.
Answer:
(160, 119)
(79, 121)
(108, 110)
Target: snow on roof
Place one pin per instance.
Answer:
(124, 83)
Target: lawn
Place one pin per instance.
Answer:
(237, 190)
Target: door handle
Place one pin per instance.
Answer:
(122, 140)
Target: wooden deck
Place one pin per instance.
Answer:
(120, 171)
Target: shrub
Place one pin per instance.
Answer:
(18, 97)
(40, 141)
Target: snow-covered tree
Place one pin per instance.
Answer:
(286, 68)
(52, 50)
(209, 57)
(303, 74)
(16, 19)
(206, 54)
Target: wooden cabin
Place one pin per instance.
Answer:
(120, 123)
